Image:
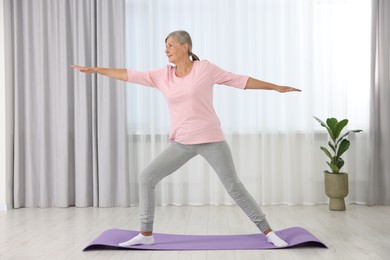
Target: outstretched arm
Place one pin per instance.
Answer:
(120, 74)
(258, 84)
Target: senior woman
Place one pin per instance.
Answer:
(187, 84)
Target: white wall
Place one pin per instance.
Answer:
(3, 161)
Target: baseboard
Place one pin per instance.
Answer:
(3, 206)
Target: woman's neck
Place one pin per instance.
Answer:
(184, 68)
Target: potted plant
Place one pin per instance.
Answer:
(336, 182)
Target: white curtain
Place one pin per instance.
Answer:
(68, 144)
(322, 47)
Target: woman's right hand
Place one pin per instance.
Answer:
(85, 69)
(120, 74)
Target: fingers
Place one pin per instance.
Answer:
(77, 67)
(295, 89)
(289, 89)
(83, 69)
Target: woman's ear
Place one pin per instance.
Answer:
(187, 48)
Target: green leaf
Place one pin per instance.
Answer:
(326, 152)
(330, 132)
(340, 163)
(334, 168)
(321, 122)
(347, 133)
(333, 160)
(331, 122)
(326, 126)
(344, 146)
(332, 146)
(339, 127)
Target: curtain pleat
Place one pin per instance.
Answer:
(379, 192)
(111, 101)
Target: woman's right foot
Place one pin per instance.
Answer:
(275, 239)
(139, 240)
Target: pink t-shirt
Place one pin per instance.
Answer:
(190, 99)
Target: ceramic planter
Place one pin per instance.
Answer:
(336, 188)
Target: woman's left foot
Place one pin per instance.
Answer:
(139, 240)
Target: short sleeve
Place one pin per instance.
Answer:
(223, 77)
(146, 78)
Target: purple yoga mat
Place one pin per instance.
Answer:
(295, 237)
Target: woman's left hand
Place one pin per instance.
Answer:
(284, 89)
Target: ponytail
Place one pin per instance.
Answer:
(193, 57)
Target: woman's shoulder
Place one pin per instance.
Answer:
(162, 70)
(204, 64)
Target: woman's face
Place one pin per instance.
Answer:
(175, 51)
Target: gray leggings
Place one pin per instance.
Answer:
(218, 155)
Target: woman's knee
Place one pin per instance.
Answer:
(146, 178)
(234, 187)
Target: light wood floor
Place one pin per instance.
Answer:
(362, 232)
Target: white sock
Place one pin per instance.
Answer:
(275, 239)
(139, 240)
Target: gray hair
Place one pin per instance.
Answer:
(183, 37)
